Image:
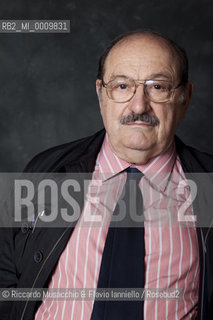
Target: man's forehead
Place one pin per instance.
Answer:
(140, 50)
(142, 43)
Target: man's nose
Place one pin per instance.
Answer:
(139, 102)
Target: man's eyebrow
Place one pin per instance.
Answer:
(113, 76)
(152, 76)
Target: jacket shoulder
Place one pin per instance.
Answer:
(53, 159)
(192, 159)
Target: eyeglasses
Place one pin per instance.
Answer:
(122, 89)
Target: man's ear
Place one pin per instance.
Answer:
(187, 94)
(190, 89)
(98, 89)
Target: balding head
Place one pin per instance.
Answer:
(140, 53)
(177, 50)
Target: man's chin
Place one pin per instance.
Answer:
(137, 153)
(136, 147)
(138, 141)
(139, 144)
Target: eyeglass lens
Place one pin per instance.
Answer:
(122, 90)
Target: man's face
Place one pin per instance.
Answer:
(142, 58)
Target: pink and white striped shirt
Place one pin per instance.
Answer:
(171, 248)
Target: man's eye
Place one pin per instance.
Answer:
(158, 87)
(122, 86)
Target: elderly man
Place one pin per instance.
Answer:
(143, 92)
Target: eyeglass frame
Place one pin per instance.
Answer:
(137, 84)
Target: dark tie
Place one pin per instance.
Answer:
(122, 264)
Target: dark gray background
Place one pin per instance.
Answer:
(47, 90)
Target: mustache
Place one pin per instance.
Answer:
(145, 117)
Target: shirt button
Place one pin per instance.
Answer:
(24, 227)
(38, 256)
